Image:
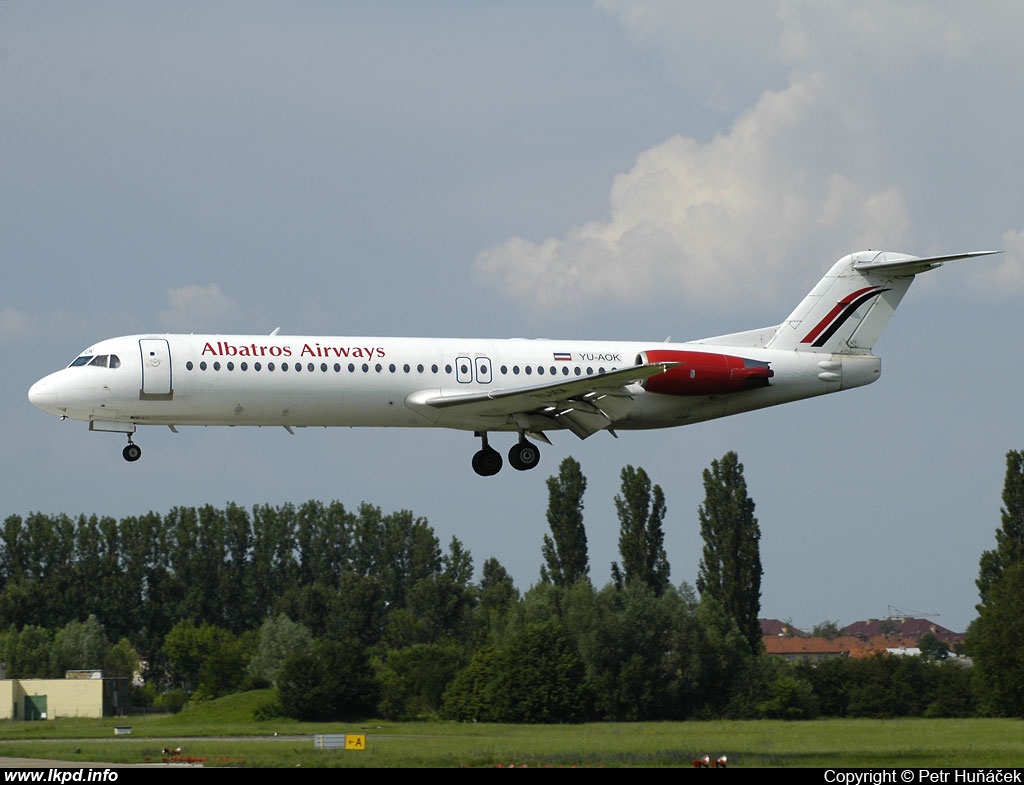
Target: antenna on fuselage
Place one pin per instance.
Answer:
(275, 331)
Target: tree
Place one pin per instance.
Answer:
(730, 568)
(996, 639)
(333, 682)
(279, 638)
(471, 695)
(543, 678)
(826, 629)
(79, 646)
(1009, 548)
(625, 652)
(996, 636)
(413, 680)
(565, 549)
(498, 591)
(204, 657)
(932, 648)
(641, 510)
(121, 660)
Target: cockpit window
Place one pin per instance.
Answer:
(99, 361)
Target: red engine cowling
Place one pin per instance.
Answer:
(704, 373)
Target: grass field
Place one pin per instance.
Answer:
(222, 733)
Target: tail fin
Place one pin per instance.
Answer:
(848, 309)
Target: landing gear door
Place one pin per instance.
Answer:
(156, 370)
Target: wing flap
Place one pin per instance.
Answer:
(584, 405)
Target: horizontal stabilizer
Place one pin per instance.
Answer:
(902, 264)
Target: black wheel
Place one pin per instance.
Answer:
(523, 456)
(132, 453)
(487, 462)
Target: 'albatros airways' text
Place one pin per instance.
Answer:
(226, 349)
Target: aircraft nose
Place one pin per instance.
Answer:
(43, 394)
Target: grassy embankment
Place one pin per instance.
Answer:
(223, 733)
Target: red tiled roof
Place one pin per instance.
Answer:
(777, 627)
(845, 645)
(913, 629)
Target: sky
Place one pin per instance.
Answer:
(620, 169)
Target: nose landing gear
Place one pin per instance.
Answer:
(132, 452)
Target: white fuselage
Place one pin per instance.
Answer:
(298, 381)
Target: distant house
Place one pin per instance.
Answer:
(895, 636)
(775, 627)
(79, 694)
(903, 628)
(808, 649)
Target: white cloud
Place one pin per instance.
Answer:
(1006, 278)
(713, 223)
(858, 149)
(197, 308)
(14, 325)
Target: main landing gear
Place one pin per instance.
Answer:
(487, 461)
(132, 452)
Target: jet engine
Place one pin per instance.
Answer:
(704, 373)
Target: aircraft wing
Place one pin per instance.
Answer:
(584, 405)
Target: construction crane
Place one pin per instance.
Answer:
(904, 613)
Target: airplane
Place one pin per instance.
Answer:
(529, 387)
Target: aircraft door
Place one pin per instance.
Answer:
(156, 369)
(482, 367)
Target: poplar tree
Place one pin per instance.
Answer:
(565, 549)
(730, 568)
(641, 510)
(995, 638)
(1009, 548)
